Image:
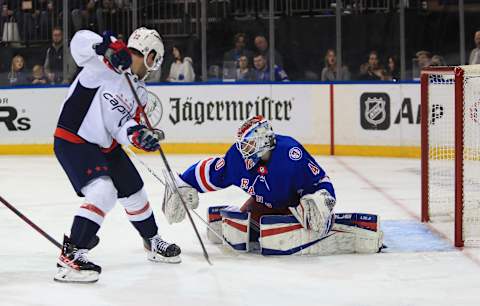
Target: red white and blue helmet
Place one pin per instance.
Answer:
(255, 138)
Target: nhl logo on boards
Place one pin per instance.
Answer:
(295, 153)
(375, 111)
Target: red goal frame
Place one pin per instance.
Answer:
(458, 72)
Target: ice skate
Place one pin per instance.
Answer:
(159, 250)
(74, 267)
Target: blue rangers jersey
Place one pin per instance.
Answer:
(290, 173)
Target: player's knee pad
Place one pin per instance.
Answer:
(215, 222)
(137, 206)
(236, 227)
(353, 233)
(100, 197)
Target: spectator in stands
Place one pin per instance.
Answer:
(437, 60)
(238, 50)
(262, 71)
(111, 15)
(261, 44)
(48, 13)
(54, 58)
(84, 14)
(329, 72)
(393, 71)
(17, 74)
(5, 14)
(213, 73)
(423, 58)
(371, 70)
(11, 13)
(38, 76)
(29, 19)
(475, 54)
(181, 69)
(244, 73)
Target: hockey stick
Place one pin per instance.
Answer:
(167, 165)
(163, 183)
(30, 222)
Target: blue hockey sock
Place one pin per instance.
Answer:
(147, 228)
(83, 232)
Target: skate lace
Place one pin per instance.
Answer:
(160, 245)
(81, 255)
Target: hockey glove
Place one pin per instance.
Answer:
(145, 139)
(115, 53)
(172, 205)
(315, 211)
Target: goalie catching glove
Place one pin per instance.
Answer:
(315, 211)
(172, 205)
(145, 139)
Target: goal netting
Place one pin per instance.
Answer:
(451, 150)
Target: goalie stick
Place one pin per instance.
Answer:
(30, 222)
(167, 165)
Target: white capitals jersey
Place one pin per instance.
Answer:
(100, 106)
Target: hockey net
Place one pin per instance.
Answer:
(451, 150)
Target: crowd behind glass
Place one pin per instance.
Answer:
(32, 42)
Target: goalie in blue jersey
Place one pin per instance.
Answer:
(290, 209)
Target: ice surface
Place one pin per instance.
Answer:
(423, 270)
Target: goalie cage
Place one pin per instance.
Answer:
(450, 143)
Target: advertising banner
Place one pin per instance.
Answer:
(377, 114)
(190, 114)
(29, 116)
(213, 113)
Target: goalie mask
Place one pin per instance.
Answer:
(146, 41)
(255, 138)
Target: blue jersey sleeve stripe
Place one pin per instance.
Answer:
(202, 175)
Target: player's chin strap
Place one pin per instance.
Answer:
(150, 170)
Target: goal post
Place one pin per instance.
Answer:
(450, 146)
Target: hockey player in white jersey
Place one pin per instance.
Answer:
(99, 113)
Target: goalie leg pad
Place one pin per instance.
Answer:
(284, 235)
(236, 227)
(215, 222)
(368, 238)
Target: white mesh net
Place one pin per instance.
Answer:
(441, 144)
(441, 133)
(471, 156)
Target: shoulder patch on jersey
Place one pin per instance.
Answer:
(219, 164)
(315, 170)
(295, 153)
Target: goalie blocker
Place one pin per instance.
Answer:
(284, 235)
